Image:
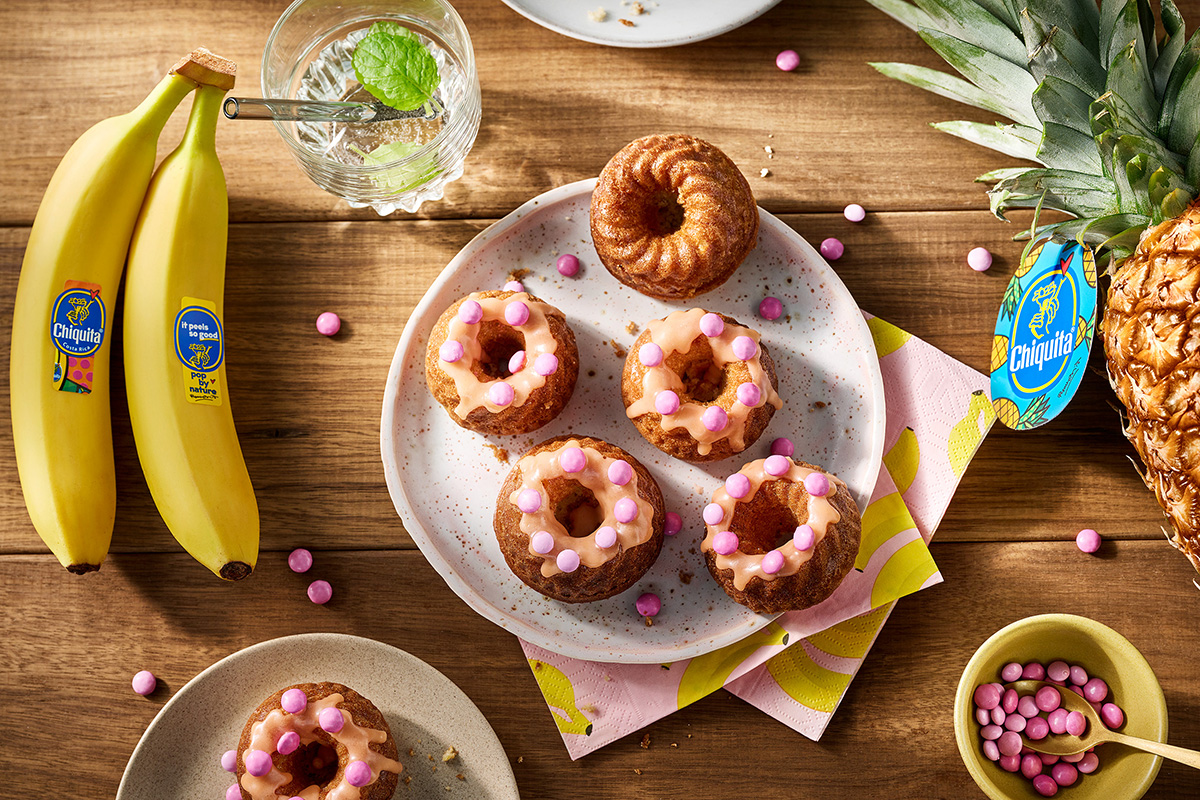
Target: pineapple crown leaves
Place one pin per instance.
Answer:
(1110, 113)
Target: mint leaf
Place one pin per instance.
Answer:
(405, 176)
(393, 65)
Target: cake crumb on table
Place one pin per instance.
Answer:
(450, 754)
(764, 172)
(637, 771)
(646, 742)
(674, 744)
(520, 759)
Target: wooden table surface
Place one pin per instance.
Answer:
(554, 111)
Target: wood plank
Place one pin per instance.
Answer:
(893, 728)
(310, 435)
(841, 132)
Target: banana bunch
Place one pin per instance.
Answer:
(100, 199)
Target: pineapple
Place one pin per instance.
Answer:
(1111, 114)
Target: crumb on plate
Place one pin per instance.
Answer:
(450, 754)
(599, 15)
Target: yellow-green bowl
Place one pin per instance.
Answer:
(1124, 773)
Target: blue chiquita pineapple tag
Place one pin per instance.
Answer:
(1044, 334)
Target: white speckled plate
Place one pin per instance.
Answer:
(179, 755)
(443, 479)
(664, 23)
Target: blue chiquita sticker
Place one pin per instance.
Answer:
(1044, 334)
(200, 345)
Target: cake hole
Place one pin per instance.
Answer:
(318, 764)
(497, 341)
(666, 213)
(575, 507)
(767, 521)
(703, 381)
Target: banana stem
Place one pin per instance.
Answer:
(153, 112)
(201, 130)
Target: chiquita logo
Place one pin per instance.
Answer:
(77, 322)
(1043, 336)
(198, 339)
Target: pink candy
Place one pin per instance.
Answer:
(673, 524)
(567, 265)
(987, 696)
(450, 351)
(288, 743)
(1037, 728)
(1011, 672)
(300, 560)
(1095, 690)
(500, 393)
(666, 402)
(606, 537)
(1045, 785)
(572, 459)
(770, 308)
(991, 731)
(737, 485)
(331, 720)
(1047, 698)
(1013, 722)
(1009, 743)
(1010, 763)
(787, 60)
(470, 312)
(1057, 719)
(358, 773)
(744, 348)
(1076, 723)
(1088, 763)
(1033, 671)
(542, 542)
(1009, 701)
(711, 325)
(144, 682)
(545, 364)
(625, 510)
(516, 362)
(997, 715)
(713, 514)
(990, 751)
(1026, 707)
(983, 717)
(832, 249)
(258, 763)
(782, 447)
(1079, 676)
(1031, 765)
(725, 542)
(772, 562)
(320, 592)
(650, 354)
(854, 212)
(1087, 540)
(329, 323)
(979, 259)
(748, 394)
(234, 792)
(620, 472)
(514, 286)
(516, 313)
(294, 701)
(804, 538)
(776, 465)
(648, 604)
(567, 561)
(529, 501)
(1112, 715)
(1058, 671)
(1064, 774)
(714, 418)
(816, 484)
(229, 761)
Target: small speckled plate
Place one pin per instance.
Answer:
(444, 479)
(179, 755)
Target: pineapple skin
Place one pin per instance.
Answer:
(1151, 331)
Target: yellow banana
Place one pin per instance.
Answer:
(175, 354)
(58, 373)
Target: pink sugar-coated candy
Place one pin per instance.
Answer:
(1047, 759)
(572, 459)
(1057, 720)
(772, 562)
(1009, 700)
(545, 364)
(725, 542)
(1033, 672)
(1010, 763)
(516, 362)
(1095, 690)
(776, 465)
(331, 719)
(991, 731)
(737, 486)
(673, 524)
(320, 592)
(745, 348)
(516, 313)
(1058, 671)
(1047, 698)
(500, 393)
(1014, 722)
(542, 542)
(567, 265)
(1087, 765)
(567, 561)
(1045, 785)
(1064, 774)
(666, 402)
(229, 761)
(713, 514)
(854, 212)
(1037, 728)
(300, 560)
(144, 682)
(529, 501)
(983, 716)
(771, 308)
(805, 538)
(1011, 672)
(979, 259)
(620, 472)
(1112, 715)
(358, 773)
(1076, 689)
(648, 604)
(650, 354)
(998, 716)
(1031, 765)
(783, 447)
(294, 701)
(328, 323)
(832, 249)
(258, 763)
(470, 312)
(999, 687)
(625, 510)
(451, 351)
(990, 751)
(1096, 706)
(714, 418)
(787, 60)
(1087, 540)
(1009, 743)
(816, 484)
(234, 792)
(711, 325)
(1076, 723)
(287, 743)
(514, 286)
(1079, 676)
(1074, 758)
(748, 394)
(1026, 707)
(987, 696)
(606, 537)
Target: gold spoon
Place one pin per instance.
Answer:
(1064, 744)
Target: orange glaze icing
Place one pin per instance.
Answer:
(538, 468)
(472, 392)
(675, 334)
(821, 514)
(356, 741)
